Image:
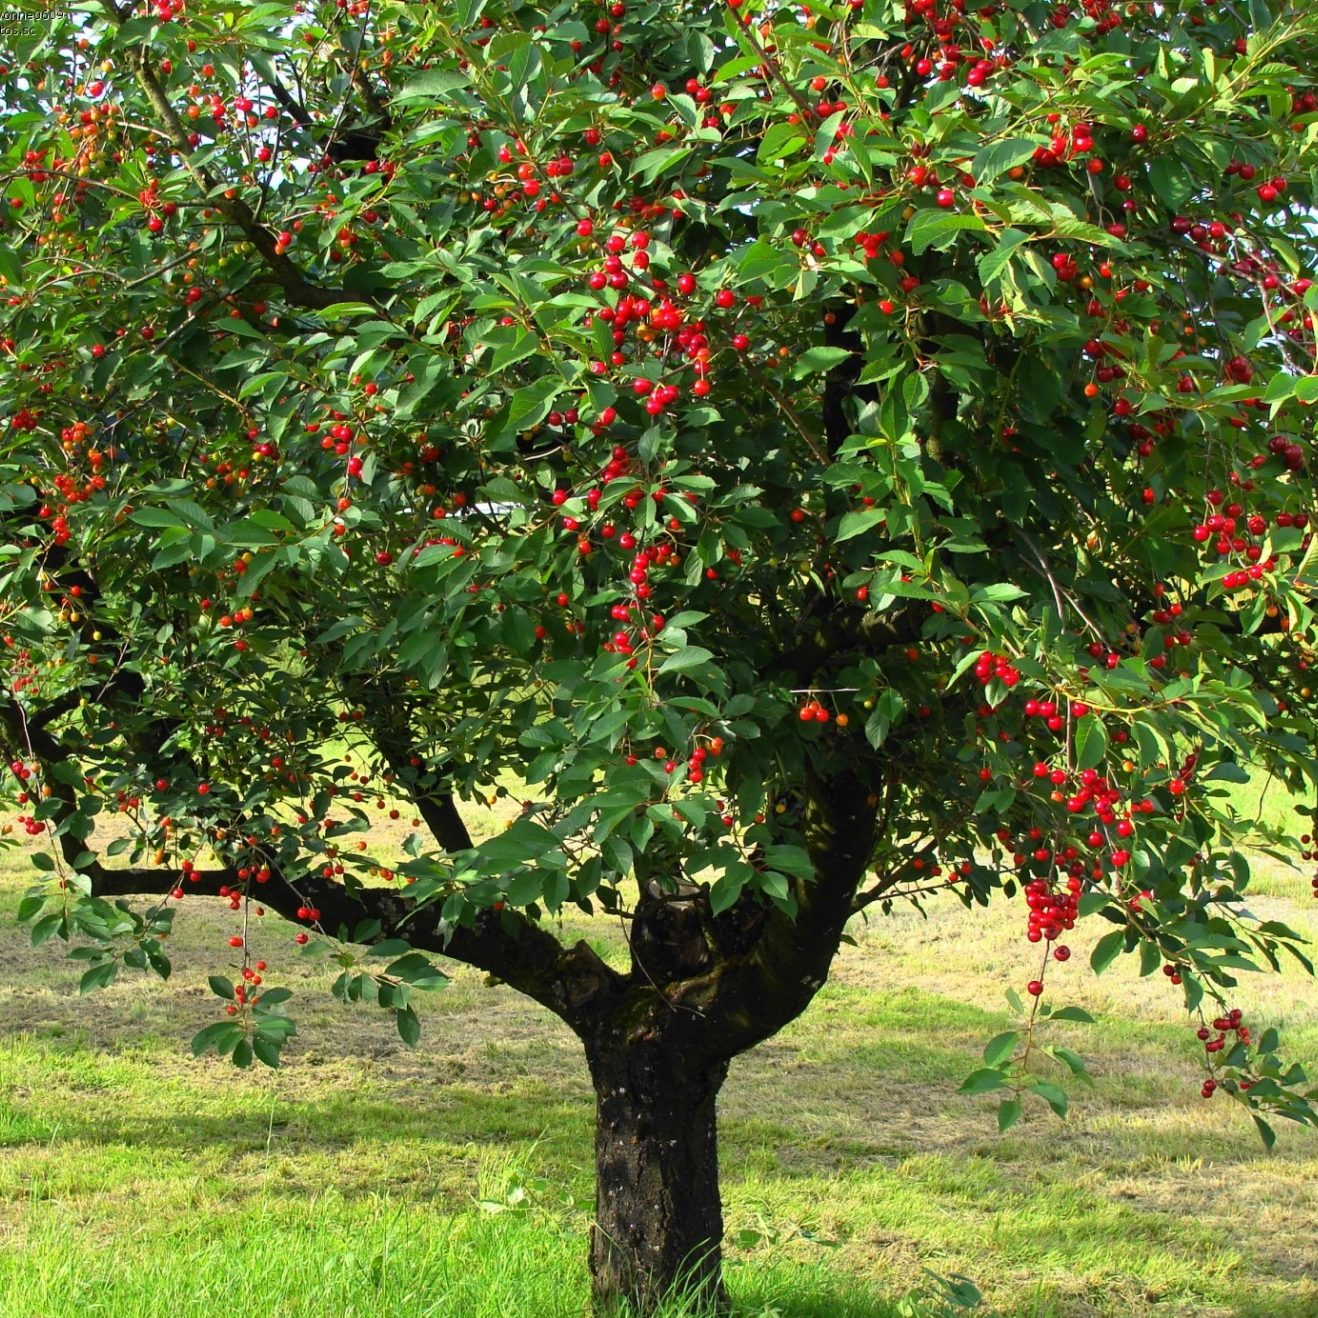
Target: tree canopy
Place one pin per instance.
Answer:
(820, 456)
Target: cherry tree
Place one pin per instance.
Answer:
(819, 456)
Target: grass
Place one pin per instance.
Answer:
(455, 1178)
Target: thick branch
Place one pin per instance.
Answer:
(746, 999)
(571, 981)
(387, 725)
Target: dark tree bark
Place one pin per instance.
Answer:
(658, 1216)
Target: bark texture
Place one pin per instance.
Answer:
(658, 1215)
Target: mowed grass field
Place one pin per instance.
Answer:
(454, 1178)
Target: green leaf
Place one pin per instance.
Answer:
(98, 977)
(156, 518)
(1266, 1133)
(266, 1050)
(858, 522)
(221, 987)
(1150, 958)
(813, 360)
(998, 1051)
(999, 592)
(271, 1025)
(1093, 902)
(998, 157)
(650, 164)
(1075, 1013)
(415, 968)
(409, 1025)
(432, 85)
(391, 947)
(1106, 951)
(1051, 1094)
(222, 1036)
(533, 403)
(1279, 388)
(1090, 742)
(1073, 1063)
(1009, 1111)
(932, 227)
(779, 141)
(727, 888)
(48, 926)
(992, 264)
(983, 1081)
(29, 906)
(684, 660)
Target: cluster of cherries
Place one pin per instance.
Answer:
(1216, 1039)
(991, 667)
(32, 827)
(650, 317)
(696, 760)
(813, 711)
(242, 993)
(1052, 911)
(1307, 840)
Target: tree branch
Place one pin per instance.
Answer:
(295, 285)
(573, 982)
(748, 998)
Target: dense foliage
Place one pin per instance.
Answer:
(827, 455)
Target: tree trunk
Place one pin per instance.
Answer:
(658, 1217)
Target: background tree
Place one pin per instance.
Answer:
(827, 455)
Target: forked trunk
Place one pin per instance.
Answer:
(658, 1216)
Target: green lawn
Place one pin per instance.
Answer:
(367, 1178)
